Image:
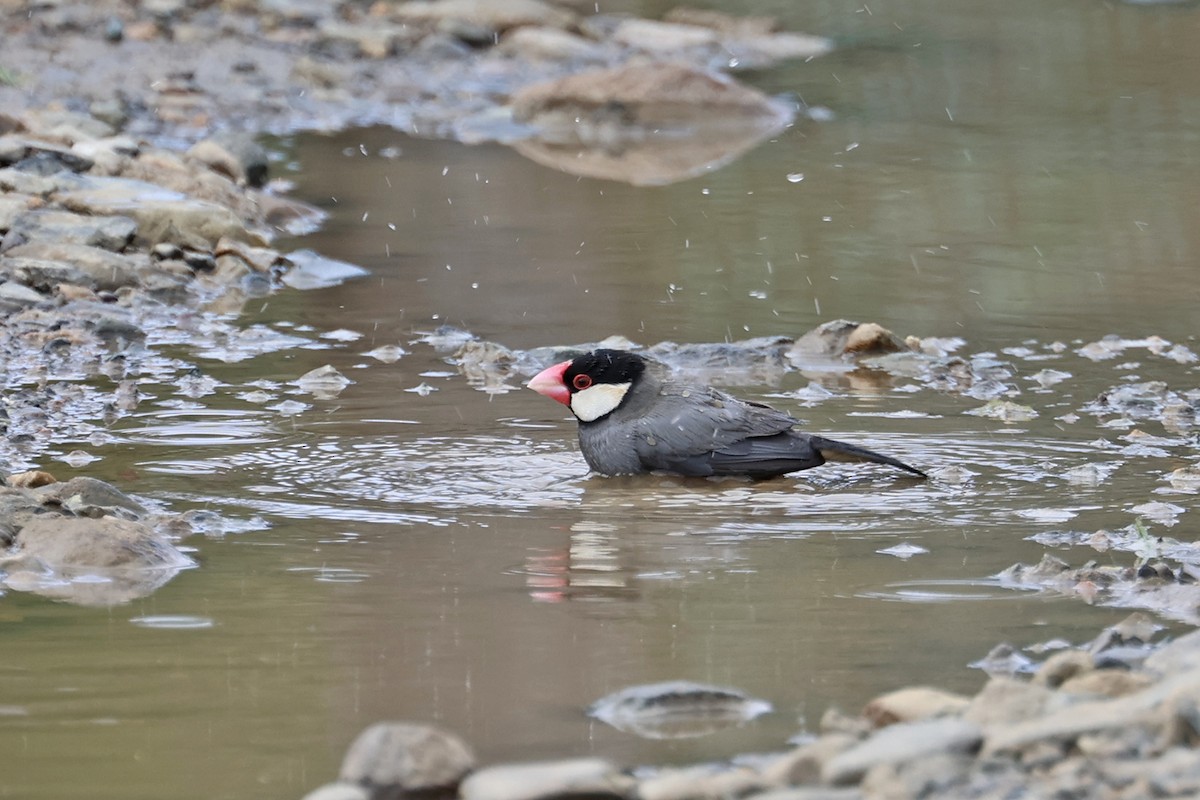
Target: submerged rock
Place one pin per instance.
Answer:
(676, 709)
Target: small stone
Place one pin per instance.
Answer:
(583, 777)
(913, 703)
(406, 757)
(1061, 667)
(31, 479)
(339, 791)
(1107, 683)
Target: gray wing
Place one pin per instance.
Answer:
(703, 431)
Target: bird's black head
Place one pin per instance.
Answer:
(599, 381)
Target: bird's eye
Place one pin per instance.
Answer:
(582, 382)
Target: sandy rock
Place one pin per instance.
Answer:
(809, 793)
(13, 206)
(1091, 717)
(902, 742)
(581, 777)
(804, 764)
(913, 703)
(498, 15)
(30, 480)
(1107, 682)
(106, 232)
(239, 158)
(391, 757)
(550, 44)
(1006, 700)
(728, 24)
(1062, 667)
(704, 782)
(662, 37)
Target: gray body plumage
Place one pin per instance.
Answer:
(701, 431)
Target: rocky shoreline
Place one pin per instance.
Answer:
(1116, 718)
(130, 218)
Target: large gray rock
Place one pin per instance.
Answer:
(89, 497)
(103, 231)
(102, 543)
(581, 777)
(392, 758)
(40, 263)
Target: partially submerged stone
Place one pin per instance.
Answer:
(676, 709)
(842, 338)
(645, 124)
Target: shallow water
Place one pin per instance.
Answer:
(1013, 174)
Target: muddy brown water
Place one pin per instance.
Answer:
(1014, 174)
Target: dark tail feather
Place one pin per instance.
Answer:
(832, 450)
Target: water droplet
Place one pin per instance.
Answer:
(795, 177)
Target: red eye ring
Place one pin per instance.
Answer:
(581, 382)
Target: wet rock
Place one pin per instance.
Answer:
(103, 543)
(106, 232)
(676, 709)
(497, 15)
(705, 782)
(913, 703)
(90, 497)
(44, 264)
(323, 382)
(903, 742)
(940, 773)
(583, 777)
(392, 758)
(1004, 411)
(841, 338)
(311, 270)
(645, 124)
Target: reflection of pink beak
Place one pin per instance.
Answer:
(550, 383)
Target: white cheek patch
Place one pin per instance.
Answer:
(597, 400)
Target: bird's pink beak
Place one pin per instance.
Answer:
(550, 383)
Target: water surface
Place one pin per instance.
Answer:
(1017, 175)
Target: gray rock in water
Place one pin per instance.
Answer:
(581, 777)
(676, 709)
(392, 758)
(104, 543)
(907, 741)
(89, 497)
